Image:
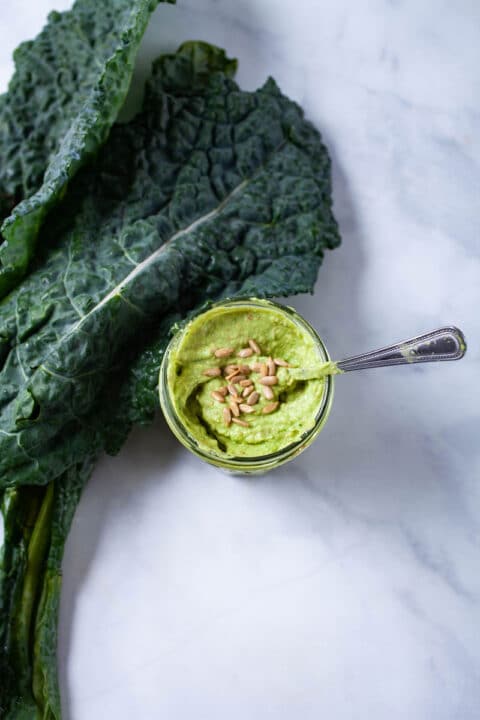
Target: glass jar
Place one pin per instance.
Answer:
(262, 463)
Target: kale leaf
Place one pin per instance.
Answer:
(37, 521)
(68, 86)
(209, 192)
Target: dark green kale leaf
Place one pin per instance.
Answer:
(37, 521)
(68, 86)
(209, 192)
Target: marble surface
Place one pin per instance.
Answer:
(345, 585)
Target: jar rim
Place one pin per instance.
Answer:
(246, 464)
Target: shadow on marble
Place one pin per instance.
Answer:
(377, 462)
(118, 485)
(238, 32)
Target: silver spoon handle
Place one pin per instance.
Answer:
(446, 343)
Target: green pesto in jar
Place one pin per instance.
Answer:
(299, 390)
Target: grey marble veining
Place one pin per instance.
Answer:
(346, 584)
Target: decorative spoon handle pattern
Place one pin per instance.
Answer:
(447, 343)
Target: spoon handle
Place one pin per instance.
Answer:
(446, 343)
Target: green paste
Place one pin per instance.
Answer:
(300, 388)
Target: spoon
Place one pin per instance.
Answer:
(447, 343)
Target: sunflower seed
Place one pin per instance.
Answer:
(246, 382)
(227, 416)
(256, 367)
(240, 422)
(246, 391)
(212, 372)
(232, 390)
(271, 366)
(229, 369)
(270, 407)
(263, 369)
(253, 398)
(245, 408)
(237, 378)
(223, 352)
(268, 392)
(234, 409)
(269, 380)
(255, 347)
(245, 352)
(223, 390)
(219, 397)
(281, 363)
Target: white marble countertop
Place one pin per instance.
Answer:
(346, 584)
